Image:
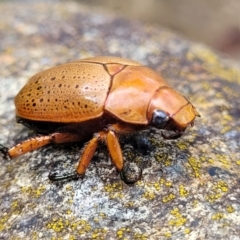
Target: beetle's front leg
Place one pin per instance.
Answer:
(40, 141)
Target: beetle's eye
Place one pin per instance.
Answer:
(159, 119)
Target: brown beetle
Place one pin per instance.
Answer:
(102, 98)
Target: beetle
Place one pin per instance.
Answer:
(98, 98)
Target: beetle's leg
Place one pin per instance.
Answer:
(83, 162)
(113, 143)
(109, 136)
(88, 153)
(40, 141)
(114, 149)
(116, 152)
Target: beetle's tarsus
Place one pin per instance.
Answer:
(4, 151)
(68, 176)
(131, 173)
(172, 136)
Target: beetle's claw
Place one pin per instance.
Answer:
(172, 136)
(4, 151)
(131, 173)
(55, 176)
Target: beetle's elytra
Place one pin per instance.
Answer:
(98, 98)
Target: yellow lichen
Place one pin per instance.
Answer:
(217, 191)
(217, 216)
(178, 220)
(157, 186)
(187, 230)
(212, 64)
(181, 145)
(230, 209)
(120, 233)
(71, 237)
(14, 204)
(163, 158)
(222, 186)
(140, 236)
(238, 162)
(224, 159)
(69, 188)
(68, 212)
(182, 191)
(195, 203)
(3, 220)
(113, 187)
(210, 160)
(99, 233)
(60, 225)
(168, 184)
(168, 198)
(167, 234)
(129, 204)
(34, 192)
(195, 165)
(149, 195)
(114, 190)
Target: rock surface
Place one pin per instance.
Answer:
(190, 187)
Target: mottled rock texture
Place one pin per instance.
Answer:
(190, 187)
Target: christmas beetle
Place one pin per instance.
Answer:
(97, 98)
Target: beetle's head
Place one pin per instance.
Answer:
(169, 110)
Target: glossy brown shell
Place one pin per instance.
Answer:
(85, 89)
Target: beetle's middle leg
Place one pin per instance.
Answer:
(113, 142)
(110, 137)
(40, 141)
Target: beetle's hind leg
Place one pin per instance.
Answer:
(40, 141)
(84, 161)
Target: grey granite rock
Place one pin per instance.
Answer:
(190, 187)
